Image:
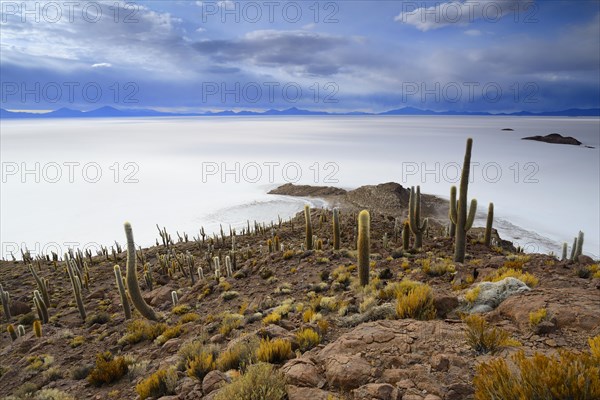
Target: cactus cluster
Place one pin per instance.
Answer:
(458, 211)
(42, 285)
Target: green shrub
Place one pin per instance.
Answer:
(239, 355)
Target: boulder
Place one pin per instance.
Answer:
(491, 294)
(302, 372)
(304, 393)
(375, 391)
(214, 380)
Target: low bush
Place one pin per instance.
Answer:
(260, 382)
(274, 351)
(307, 339)
(161, 383)
(108, 369)
(484, 338)
(417, 304)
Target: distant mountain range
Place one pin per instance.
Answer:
(111, 112)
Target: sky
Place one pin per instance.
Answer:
(194, 56)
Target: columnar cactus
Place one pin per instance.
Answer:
(11, 331)
(21, 330)
(458, 212)
(131, 277)
(308, 228)
(414, 213)
(452, 203)
(406, 236)
(174, 298)
(76, 283)
(564, 251)
(5, 298)
(37, 328)
(363, 245)
(41, 284)
(40, 306)
(336, 228)
(488, 226)
(579, 247)
(122, 292)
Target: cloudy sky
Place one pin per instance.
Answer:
(492, 55)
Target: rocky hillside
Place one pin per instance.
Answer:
(275, 319)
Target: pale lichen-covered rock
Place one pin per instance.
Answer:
(491, 294)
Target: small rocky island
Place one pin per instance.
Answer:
(555, 138)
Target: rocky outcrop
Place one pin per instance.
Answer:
(555, 138)
(289, 189)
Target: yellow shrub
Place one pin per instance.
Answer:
(367, 303)
(170, 333)
(307, 339)
(484, 338)
(77, 341)
(200, 365)
(329, 303)
(417, 304)
(239, 355)
(108, 369)
(307, 316)
(272, 318)
(189, 317)
(595, 347)
(323, 326)
(535, 317)
(472, 295)
(394, 289)
(161, 383)
(525, 277)
(180, 309)
(260, 381)
(288, 254)
(273, 351)
(569, 375)
(141, 329)
(229, 323)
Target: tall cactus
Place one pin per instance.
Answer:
(122, 292)
(41, 284)
(577, 246)
(76, 283)
(336, 228)
(452, 204)
(458, 212)
(40, 306)
(487, 238)
(564, 251)
(131, 277)
(414, 213)
(308, 228)
(363, 246)
(406, 236)
(5, 298)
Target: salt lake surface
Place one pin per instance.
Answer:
(74, 182)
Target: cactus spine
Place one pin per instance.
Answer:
(132, 283)
(336, 229)
(5, 298)
(308, 228)
(37, 328)
(414, 212)
(451, 205)
(40, 306)
(363, 245)
(76, 283)
(122, 292)
(42, 285)
(406, 236)
(458, 212)
(488, 226)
